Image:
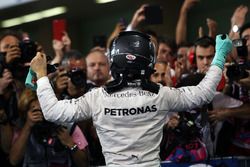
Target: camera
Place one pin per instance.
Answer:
(78, 77)
(28, 50)
(45, 133)
(186, 130)
(237, 70)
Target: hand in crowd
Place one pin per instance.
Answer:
(138, 17)
(188, 4)
(66, 41)
(60, 47)
(12, 53)
(238, 19)
(246, 81)
(57, 45)
(33, 117)
(217, 115)
(181, 27)
(168, 76)
(61, 81)
(64, 137)
(239, 15)
(173, 121)
(179, 68)
(118, 28)
(5, 80)
(212, 29)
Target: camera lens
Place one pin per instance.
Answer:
(78, 77)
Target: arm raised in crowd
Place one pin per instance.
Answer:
(138, 17)
(237, 20)
(181, 27)
(225, 113)
(60, 47)
(212, 29)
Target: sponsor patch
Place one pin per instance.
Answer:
(130, 57)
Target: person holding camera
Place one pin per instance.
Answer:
(70, 81)
(9, 53)
(129, 112)
(39, 143)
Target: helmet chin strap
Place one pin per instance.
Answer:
(122, 81)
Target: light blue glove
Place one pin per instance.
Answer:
(222, 49)
(30, 81)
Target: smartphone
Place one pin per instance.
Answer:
(123, 21)
(59, 27)
(153, 14)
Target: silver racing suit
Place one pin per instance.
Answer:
(128, 122)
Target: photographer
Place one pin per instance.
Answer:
(70, 81)
(9, 53)
(182, 139)
(40, 143)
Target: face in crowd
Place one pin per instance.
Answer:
(204, 57)
(161, 74)
(182, 58)
(97, 68)
(246, 35)
(68, 66)
(75, 64)
(10, 45)
(204, 53)
(165, 53)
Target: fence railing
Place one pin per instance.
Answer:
(213, 162)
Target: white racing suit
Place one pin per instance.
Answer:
(128, 122)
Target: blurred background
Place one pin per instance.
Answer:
(87, 18)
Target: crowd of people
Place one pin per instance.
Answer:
(210, 123)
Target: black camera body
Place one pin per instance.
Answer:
(187, 130)
(2, 63)
(45, 133)
(78, 77)
(237, 70)
(28, 50)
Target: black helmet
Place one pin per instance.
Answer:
(132, 51)
(132, 59)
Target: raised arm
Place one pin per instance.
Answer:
(181, 27)
(237, 20)
(138, 17)
(194, 96)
